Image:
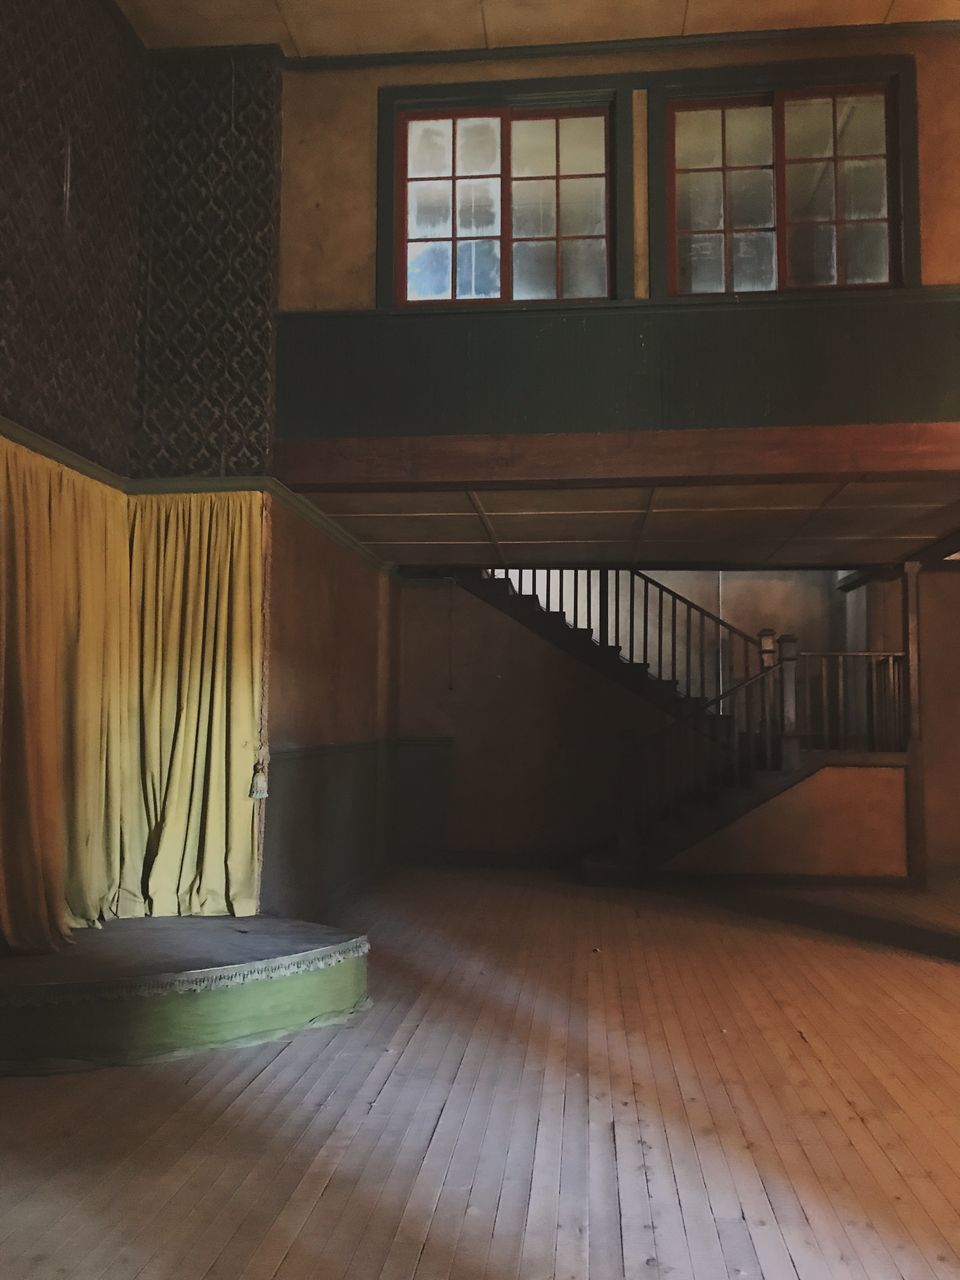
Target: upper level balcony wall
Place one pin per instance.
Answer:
(879, 357)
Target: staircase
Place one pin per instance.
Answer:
(631, 628)
(748, 717)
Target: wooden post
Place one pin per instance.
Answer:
(787, 646)
(916, 834)
(768, 647)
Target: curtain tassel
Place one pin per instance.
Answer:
(258, 783)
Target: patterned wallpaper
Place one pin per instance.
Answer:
(70, 78)
(210, 237)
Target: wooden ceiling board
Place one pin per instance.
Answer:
(862, 522)
(373, 26)
(897, 493)
(741, 497)
(391, 504)
(706, 17)
(553, 501)
(316, 27)
(724, 525)
(566, 553)
(524, 22)
(466, 528)
(197, 23)
(569, 527)
(423, 553)
(924, 11)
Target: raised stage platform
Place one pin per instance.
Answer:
(145, 990)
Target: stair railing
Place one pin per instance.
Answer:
(744, 730)
(650, 624)
(683, 641)
(852, 701)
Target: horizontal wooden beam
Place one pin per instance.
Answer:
(905, 450)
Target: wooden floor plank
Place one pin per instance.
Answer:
(555, 1082)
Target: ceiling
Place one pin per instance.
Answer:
(316, 27)
(827, 524)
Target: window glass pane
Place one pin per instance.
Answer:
(863, 188)
(533, 148)
(866, 253)
(753, 261)
(699, 139)
(535, 207)
(478, 269)
(810, 195)
(583, 144)
(429, 211)
(583, 206)
(812, 254)
(749, 133)
(583, 268)
(861, 126)
(535, 269)
(808, 124)
(430, 148)
(749, 197)
(700, 201)
(478, 206)
(428, 271)
(700, 264)
(478, 146)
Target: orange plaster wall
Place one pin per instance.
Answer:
(328, 610)
(328, 222)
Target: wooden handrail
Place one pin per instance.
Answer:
(727, 626)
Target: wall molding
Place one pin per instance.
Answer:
(267, 485)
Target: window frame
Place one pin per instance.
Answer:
(780, 164)
(506, 114)
(641, 172)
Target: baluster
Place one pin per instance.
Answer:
(646, 621)
(825, 702)
(875, 726)
(673, 638)
(603, 605)
(689, 644)
(788, 701)
(660, 632)
(703, 657)
(616, 608)
(576, 597)
(632, 615)
(841, 703)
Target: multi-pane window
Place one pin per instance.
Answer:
(503, 205)
(785, 192)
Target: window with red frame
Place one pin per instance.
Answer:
(503, 205)
(790, 191)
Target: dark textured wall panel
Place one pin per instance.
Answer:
(210, 238)
(70, 162)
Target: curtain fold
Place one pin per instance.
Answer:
(131, 685)
(197, 646)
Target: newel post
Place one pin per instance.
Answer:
(788, 652)
(768, 647)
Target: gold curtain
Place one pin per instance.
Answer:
(63, 585)
(197, 647)
(131, 650)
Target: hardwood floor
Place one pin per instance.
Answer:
(554, 1081)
